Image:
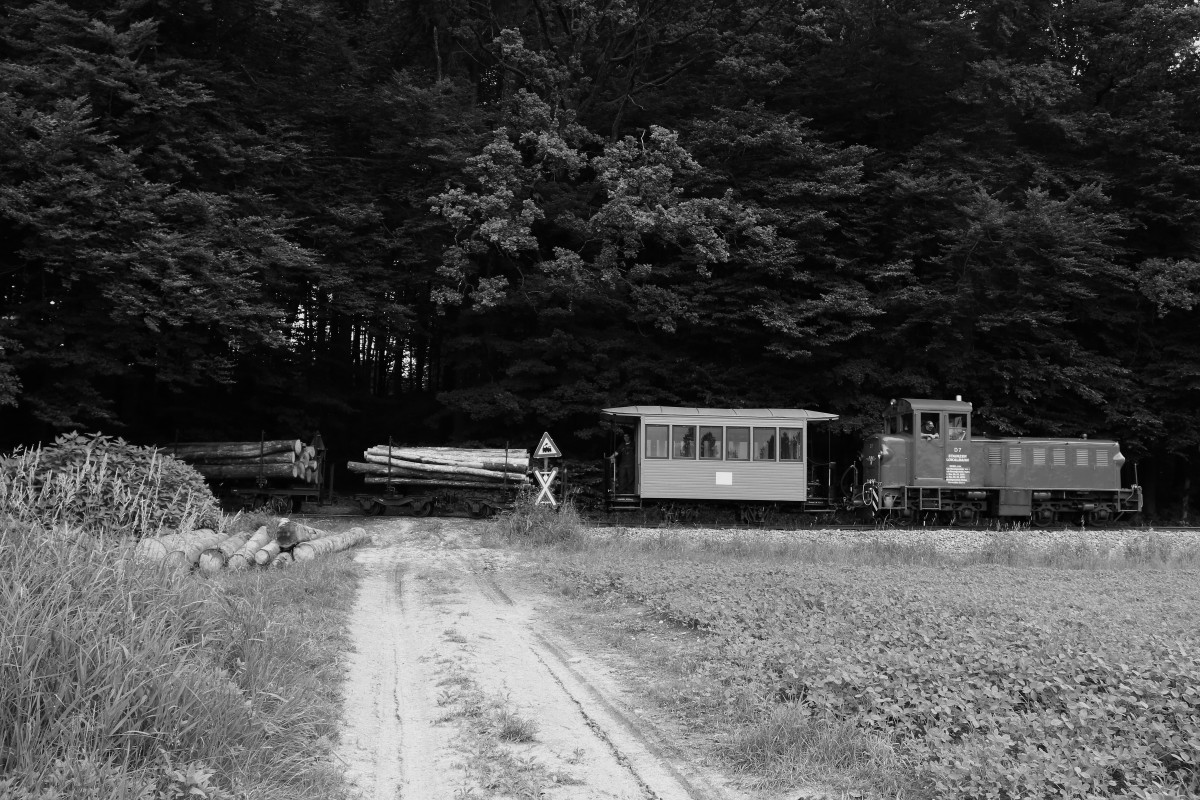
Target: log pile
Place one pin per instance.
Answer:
(465, 467)
(276, 458)
(278, 544)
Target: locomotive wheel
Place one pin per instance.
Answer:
(1042, 517)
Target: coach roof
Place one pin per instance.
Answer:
(782, 414)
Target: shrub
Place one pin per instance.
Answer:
(105, 486)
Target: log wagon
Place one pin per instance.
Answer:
(275, 475)
(419, 480)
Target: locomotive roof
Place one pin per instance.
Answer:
(749, 413)
(954, 406)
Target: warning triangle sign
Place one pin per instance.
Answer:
(546, 448)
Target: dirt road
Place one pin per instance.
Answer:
(458, 689)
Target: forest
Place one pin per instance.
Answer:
(471, 221)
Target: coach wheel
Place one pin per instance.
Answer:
(1043, 516)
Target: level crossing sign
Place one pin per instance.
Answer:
(545, 450)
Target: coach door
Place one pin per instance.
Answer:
(929, 446)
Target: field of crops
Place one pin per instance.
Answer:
(991, 682)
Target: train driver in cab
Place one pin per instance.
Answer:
(929, 430)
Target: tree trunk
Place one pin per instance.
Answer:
(234, 449)
(244, 556)
(250, 469)
(213, 559)
(307, 551)
(293, 533)
(186, 556)
(444, 469)
(267, 553)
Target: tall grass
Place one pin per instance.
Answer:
(118, 681)
(530, 524)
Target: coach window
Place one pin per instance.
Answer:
(683, 441)
(764, 444)
(656, 441)
(791, 444)
(710, 442)
(737, 444)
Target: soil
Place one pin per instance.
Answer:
(436, 611)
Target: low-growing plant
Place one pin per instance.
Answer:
(531, 524)
(104, 486)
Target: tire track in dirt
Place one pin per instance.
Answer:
(430, 609)
(389, 745)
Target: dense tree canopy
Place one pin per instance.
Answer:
(477, 220)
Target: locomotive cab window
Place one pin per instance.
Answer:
(791, 444)
(683, 441)
(656, 441)
(930, 426)
(764, 444)
(958, 427)
(906, 422)
(710, 442)
(737, 444)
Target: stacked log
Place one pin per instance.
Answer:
(244, 556)
(307, 551)
(214, 559)
(276, 458)
(277, 544)
(444, 466)
(186, 556)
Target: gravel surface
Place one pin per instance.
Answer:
(1109, 542)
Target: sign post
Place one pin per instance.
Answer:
(546, 449)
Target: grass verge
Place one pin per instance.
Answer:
(119, 680)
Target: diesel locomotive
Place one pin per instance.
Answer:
(927, 465)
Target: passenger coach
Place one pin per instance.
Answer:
(732, 455)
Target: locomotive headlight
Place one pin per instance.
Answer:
(1119, 459)
(884, 453)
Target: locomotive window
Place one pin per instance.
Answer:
(737, 444)
(656, 441)
(683, 441)
(791, 444)
(764, 444)
(958, 428)
(710, 442)
(930, 426)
